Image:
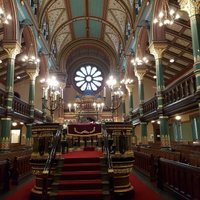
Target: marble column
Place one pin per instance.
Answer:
(157, 49)
(12, 50)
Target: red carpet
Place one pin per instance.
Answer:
(80, 176)
(142, 192)
(68, 183)
(23, 193)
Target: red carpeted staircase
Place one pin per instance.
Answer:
(82, 177)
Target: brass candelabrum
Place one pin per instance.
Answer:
(52, 96)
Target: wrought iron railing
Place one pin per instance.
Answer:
(107, 149)
(47, 172)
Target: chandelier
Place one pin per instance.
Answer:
(4, 17)
(30, 57)
(166, 16)
(139, 61)
(126, 81)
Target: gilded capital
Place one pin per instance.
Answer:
(140, 72)
(129, 87)
(32, 72)
(12, 49)
(157, 49)
(192, 7)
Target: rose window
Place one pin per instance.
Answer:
(88, 78)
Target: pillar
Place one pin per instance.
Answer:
(32, 70)
(44, 101)
(193, 9)
(12, 50)
(140, 72)
(157, 49)
(123, 107)
(130, 96)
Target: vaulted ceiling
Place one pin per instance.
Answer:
(97, 30)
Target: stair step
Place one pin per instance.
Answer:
(81, 175)
(82, 160)
(81, 167)
(80, 195)
(78, 184)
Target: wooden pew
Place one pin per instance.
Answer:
(21, 168)
(179, 178)
(145, 164)
(4, 175)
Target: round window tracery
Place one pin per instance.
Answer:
(88, 78)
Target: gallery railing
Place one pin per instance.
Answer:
(19, 107)
(178, 96)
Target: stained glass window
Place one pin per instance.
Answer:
(88, 78)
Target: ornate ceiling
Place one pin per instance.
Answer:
(100, 22)
(96, 31)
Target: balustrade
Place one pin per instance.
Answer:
(180, 178)
(21, 107)
(180, 90)
(150, 105)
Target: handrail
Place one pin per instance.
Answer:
(107, 150)
(47, 169)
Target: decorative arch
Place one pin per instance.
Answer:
(157, 32)
(29, 38)
(44, 70)
(142, 42)
(10, 30)
(79, 43)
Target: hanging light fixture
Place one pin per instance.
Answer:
(139, 61)
(30, 57)
(4, 17)
(166, 16)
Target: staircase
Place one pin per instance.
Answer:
(81, 177)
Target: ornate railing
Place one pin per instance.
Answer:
(47, 172)
(19, 107)
(182, 89)
(150, 105)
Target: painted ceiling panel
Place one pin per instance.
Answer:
(61, 20)
(79, 28)
(59, 4)
(55, 13)
(61, 37)
(96, 8)
(53, 16)
(114, 38)
(108, 40)
(77, 8)
(95, 28)
(119, 15)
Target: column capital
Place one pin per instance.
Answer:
(140, 72)
(157, 49)
(192, 7)
(32, 72)
(12, 49)
(124, 97)
(129, 87)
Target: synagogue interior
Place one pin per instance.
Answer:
(99, 99)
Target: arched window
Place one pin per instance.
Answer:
(88, 78)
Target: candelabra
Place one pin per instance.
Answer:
(52, 95)
(4, 17)
(116, 94)
(166, 15)
(86, 106)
